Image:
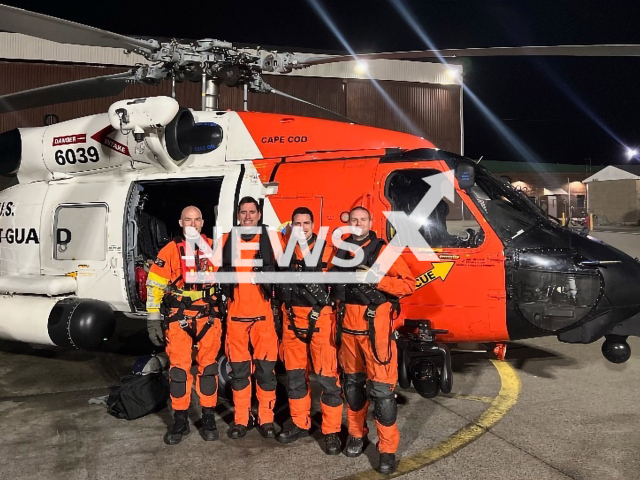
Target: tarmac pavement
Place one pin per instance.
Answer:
(554, 411)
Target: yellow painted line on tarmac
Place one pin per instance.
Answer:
(507, 397)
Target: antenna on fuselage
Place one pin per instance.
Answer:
(286, 95)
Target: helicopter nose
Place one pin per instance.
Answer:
(617, 314)
(580, 289)
(619, 271)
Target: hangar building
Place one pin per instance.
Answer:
(427, 94)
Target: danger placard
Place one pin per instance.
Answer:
(70, 139)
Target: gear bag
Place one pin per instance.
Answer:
(139, 395)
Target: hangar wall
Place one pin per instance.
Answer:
(430, 109)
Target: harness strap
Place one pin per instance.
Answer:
(194, 294)
(184, 300)
(191, 327)
(172, 285)
(340, 312)
(205, 328)
(182, 318)
(303, 329)
(305, 334)
(277, 311)
(185, 303)
(370, 317)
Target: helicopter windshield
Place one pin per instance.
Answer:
(448, 225)
(509, 212)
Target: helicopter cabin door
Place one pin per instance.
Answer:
(85, 221)
(464, 291)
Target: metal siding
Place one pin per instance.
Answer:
(433, 109)
(15, 77)
(23, 47)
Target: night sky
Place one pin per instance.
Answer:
(536, 97)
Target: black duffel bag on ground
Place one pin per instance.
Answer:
(139, 395)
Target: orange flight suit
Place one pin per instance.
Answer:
(250, 321)
(361, 366)
(168, 270)
(323, 354)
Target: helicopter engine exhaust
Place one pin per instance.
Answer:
(184, 137)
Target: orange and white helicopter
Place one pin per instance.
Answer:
(98, 196)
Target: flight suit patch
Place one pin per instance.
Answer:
(159, 262)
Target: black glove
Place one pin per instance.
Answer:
(154, 328)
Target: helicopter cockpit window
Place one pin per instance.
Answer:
(509, 212)
(450, 224)
(80, 232)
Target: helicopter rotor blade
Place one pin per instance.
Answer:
(604, 50)
(17, 20)
(87, 88)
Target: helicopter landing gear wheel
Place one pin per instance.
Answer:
(224, 377)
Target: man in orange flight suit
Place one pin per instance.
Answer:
(367, 352)
(310, 332)
(250, 321)
(191, 321)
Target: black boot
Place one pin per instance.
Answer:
(332, 444)
(179, 429)
(291, 433)
(387, 463)
(355, 446)
(237, 431)
(208, 430)
(267, 430)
